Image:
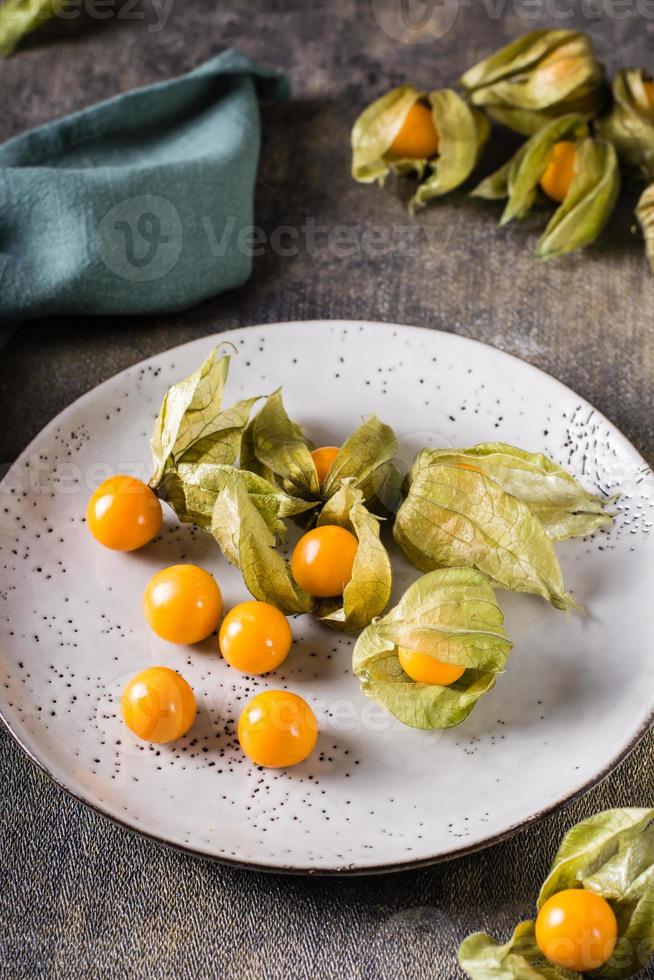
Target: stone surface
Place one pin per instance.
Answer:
(82, 898)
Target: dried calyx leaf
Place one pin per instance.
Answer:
(645, 215)
(563, 506)
(191, 426)
(374, 132)
(629, 124)
(589, 203)
(446, 137)
(194, 447)
(193, 488)
(20, 17)
(610, 854)
(462, 134)
(246, 515)
(483, 958)
(518, 179)
(368, 591)
(275, 447)
(242, 527)
(451, 615)
(537, 78)
(587, 854)
(590, 195)
(365, 461)
(455, 516)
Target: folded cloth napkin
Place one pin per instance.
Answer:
(136, 205)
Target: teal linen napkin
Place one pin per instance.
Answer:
(135, 205)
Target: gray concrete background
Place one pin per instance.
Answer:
(82, 898)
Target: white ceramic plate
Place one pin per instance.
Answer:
(576, 696)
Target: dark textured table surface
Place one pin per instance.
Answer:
(80, 897)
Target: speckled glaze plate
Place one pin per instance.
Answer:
(576, 697)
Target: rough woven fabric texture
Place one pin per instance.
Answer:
(66, 188)
(80, 897)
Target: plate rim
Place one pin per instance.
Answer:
(347, 869)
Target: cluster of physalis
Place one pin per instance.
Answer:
(183, 604)
(594, 909)
(473, 520)
(549, 87)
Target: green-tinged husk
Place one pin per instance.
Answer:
(629, 124)
(20, 17)
(589, 203)
(460, 517)
(645, 215)
(563, 506)
(247, 541)
(195, 445)
(450, 614)
(462, 134)
(193, 488)
(365, 461)
(192, 427)
(247, 520)
(611, 854)
(275, 447)
(374, 132)
(591, 197)
(536, 78)
(368, 591)
(518, 179)
(483, 958)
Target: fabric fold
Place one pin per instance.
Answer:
(136, 205)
